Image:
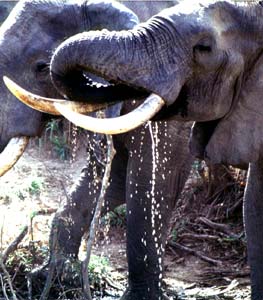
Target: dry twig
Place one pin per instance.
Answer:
(14, 244)
(219, 227)
(201, 237)
(8, 279)
(194, 252)
(95, 221)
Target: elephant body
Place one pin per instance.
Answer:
(130, 182)
(29, 36)
(203, 62)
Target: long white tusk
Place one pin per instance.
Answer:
(46, 105)
(12, 153)
(121, 124)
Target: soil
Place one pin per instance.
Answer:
(40, 182)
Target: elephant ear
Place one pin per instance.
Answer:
(238, 138)
(108, 14)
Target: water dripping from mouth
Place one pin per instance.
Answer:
(155, 207)
(74, 132)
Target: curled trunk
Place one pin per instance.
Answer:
(135, 58)
(100, 56)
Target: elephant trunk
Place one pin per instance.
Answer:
(98, 53)
(137, 58)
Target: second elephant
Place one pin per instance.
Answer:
(132, 172)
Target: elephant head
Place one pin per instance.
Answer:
(203, 60)
(28, 38)
(205, 63)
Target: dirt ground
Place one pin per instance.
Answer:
(40, 182)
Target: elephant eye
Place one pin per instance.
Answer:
(42, 66)
(206, 54)
(202, 48)
(204, 45)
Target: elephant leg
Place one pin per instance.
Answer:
(152, 189)
(253, 216)
(74, 218)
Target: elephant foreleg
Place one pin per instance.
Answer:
(152, 190)
(253, 216)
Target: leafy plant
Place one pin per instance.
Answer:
(116, 217)
(58, 138)
(174, 234)
(98, 269)
(35, 187)
(60, 147)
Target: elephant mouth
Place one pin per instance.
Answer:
(83, 86)
(17, 145)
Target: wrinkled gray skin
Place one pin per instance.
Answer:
(146, 9)
(206, 62)
(28, 39)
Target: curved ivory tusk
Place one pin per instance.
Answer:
(46, 105)
(121, 124)
(12, 153)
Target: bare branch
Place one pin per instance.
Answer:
(8, 279)
(14, 244)
(95, 221)
(194, 252)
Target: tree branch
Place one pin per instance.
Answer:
(95, 222)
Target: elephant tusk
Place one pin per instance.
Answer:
(118, 125)
(12, 153)
(46, 105)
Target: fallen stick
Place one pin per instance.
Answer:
(216, 226)
(233, 208)
(14, 244)
(225, 273)
(217, 193)
(95, 220)
(7, 277)
(194, 236)
(51, 272)
(195, 253)
(113, 285)
(219, 227)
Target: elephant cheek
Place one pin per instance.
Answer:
(235, 143)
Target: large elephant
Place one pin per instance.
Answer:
(203, 62)
(28, 38)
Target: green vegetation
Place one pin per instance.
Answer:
(32, 186)
(99, 269)
(35, 187)
(25, 259)
(116, 218)
(58, 137)
(174, 234)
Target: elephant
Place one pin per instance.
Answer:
(146, 9)
(199, 62)
(26, 58)
(5, 8)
